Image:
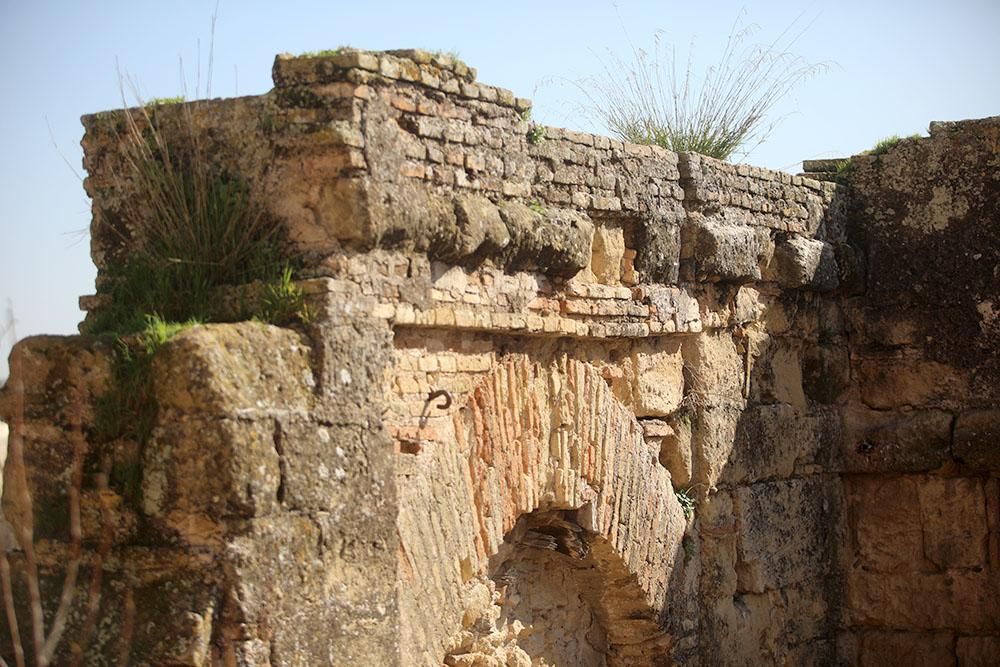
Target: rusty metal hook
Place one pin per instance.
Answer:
(438, 393)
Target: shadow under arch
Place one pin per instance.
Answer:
(548, 442)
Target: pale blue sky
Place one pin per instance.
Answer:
(895, 66)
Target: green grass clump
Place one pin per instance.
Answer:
(198, 229)
(324, 53)
(885, 145)
(536, 134)
(161, 101)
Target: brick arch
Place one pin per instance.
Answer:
(551, 436)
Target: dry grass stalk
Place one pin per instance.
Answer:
(646, 101)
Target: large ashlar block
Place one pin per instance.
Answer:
(881, 441)
(960, 600)
(977, 438)
(778, 441)
(889, 382)
(919, 524)
(885, 515)
(785, 532)
(953, 519)
(607, 254)
(659, 381)
(802, 262)
(727, 252)
(240, 370)
(715, 368)
(907, 648)
(244, 466)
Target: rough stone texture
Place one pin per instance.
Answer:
(530, 359)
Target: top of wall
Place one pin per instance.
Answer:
(404, 149)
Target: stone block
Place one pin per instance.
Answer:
(886, 521)
(726, 252)
(658, 246)
(659, 378)
(675, 453)
(326, 468)
(964, 601)
(801, 262)
(881, 441)
(556, 242)
(978, 651)
(907, 648)
(209, 468)
(977, 439)
(784, 532)
(480, 231)
(826, 372)
(712, 441)
(775, 370)
(714, 369)
(953, 519)
(777, 441)
(900, 381)
(234, 369)
(607, 254)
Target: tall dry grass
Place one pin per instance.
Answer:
(653, 98)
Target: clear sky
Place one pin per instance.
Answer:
(895, 65)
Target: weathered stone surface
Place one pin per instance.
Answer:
(802, 262)
(977, 438)
(885, 517)
(481, 230)
(907, 648)
(784, 536)
(953, 520)
(898, 381)
(659, 385)
(777, 441)
(977, 651)
(727, 253)
(880, 441)
(960, 600)
(240, 370)
(556, 243)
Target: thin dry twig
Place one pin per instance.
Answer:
(76, 535)
(79, 647)
(8, 599)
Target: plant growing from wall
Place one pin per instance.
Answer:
(643, 99)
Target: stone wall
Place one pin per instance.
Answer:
(534, 348)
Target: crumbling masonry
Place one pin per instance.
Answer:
(531, 346)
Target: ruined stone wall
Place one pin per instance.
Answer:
(532, 346)
(922, 564)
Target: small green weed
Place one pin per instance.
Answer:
(686, 500)
(526, 115)
(887, 144)
(323, 53)
(536, 134)
(536, 206)
(283, 302)
(161, 101)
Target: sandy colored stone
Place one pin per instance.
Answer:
(953, 520)
(898, 648)
(885, 515)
